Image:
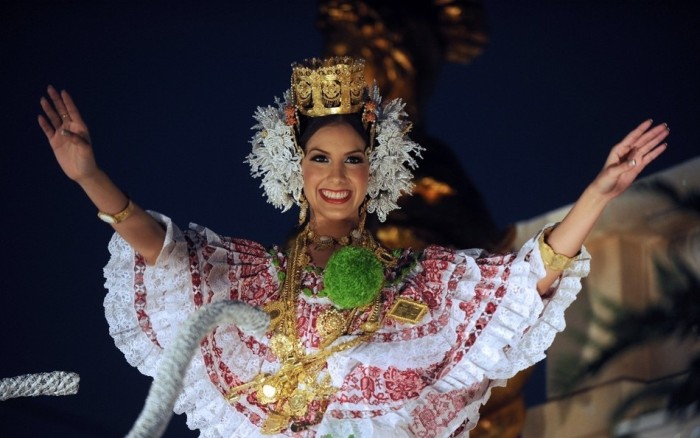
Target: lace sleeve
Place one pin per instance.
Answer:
(514, 325)
(547, 318)
(146, 305)
(142, 317)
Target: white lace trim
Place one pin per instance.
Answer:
(521, 329)
(169, 303)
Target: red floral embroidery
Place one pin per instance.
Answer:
(401, 385)
(434, 416)
(140, 300)
(367, 387)
(194, 273)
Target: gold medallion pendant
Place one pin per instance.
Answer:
(331, 324)
(283, 346)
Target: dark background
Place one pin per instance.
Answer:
(168, 91)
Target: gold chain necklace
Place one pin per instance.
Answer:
(326, 242)
(291, 390)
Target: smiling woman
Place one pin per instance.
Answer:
(335, 169)
(362, 341)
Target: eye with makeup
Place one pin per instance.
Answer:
(355, 159)
(318, 158)
(322, 158)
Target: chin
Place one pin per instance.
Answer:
(349, 214)
(340, 217)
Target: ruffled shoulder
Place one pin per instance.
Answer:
(145, 305)
(494, 298)
(486, 321)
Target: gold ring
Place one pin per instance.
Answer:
(64, 116)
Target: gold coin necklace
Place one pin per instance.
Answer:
(290, 391)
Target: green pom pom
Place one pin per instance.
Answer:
(353, 277)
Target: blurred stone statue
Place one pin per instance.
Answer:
(405, 45)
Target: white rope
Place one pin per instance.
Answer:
(167, 384)
(31, 385)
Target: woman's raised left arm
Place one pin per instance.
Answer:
(625, 161)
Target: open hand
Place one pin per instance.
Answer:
(629, 157)
(67, 134)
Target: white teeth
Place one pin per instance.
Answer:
(335, 195)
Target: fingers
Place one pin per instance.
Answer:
(58, 103)
(51, 114)
(63, 130)
(648, 142)
(61, 109)
(71, 108)
(652, 136)
(640, 147)
(640, 156)
(637, 132)
(651, 156)
(646, 155)
(61, 116)
(638, 142)
(46, 126)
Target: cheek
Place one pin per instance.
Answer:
(361, 177)
(307, 175)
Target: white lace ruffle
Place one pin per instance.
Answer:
(169, 302)
(520, 330)
(522, 327)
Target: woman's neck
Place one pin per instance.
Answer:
(335, 229)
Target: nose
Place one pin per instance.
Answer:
(338, 171)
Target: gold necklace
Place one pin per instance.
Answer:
(326, 242)
(291, 390)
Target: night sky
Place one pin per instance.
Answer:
(168, 91)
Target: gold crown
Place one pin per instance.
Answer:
(329, 86)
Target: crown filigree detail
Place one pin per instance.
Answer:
(323, 87)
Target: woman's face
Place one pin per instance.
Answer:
(336, 171)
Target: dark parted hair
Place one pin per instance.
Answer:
(309, 125)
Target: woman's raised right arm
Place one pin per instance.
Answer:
(70, 141)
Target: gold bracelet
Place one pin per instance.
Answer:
(552, 260)
(118, 217)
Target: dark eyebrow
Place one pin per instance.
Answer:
(323, 151)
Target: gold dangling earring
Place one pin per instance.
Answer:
(303, 209)
(363, 218)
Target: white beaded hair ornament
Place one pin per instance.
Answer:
(323, 87)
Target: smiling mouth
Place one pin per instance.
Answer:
(335, 196)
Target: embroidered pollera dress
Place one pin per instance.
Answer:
(485, 322)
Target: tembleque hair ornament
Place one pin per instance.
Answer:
(323, 87)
